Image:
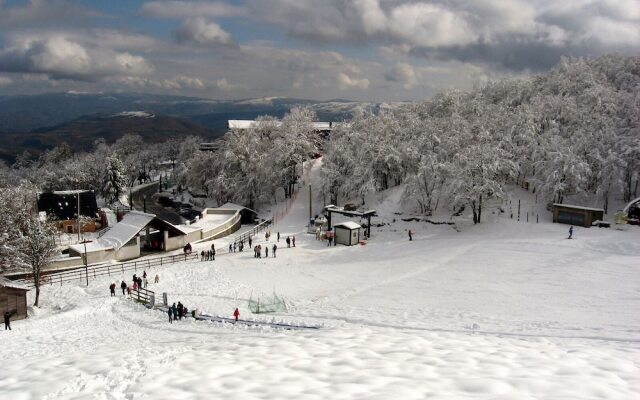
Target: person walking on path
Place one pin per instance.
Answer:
(274, 250)
(278, 236)
(236, 314)
(123, 286)
(7, 319)
(288, 241)
(293, 241)
(170, 312)
(570, 231)
(157, 278)
(410, 235)
(112, 289)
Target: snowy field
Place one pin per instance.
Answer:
(504, 310)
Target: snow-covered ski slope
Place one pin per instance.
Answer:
(504, 310)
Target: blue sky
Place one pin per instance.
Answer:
(373, 50)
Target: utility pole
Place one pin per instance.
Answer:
(310, 210)
(78, 215)
(86, 267)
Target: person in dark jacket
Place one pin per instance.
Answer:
(570, 231)
(112, 289)
(266, 251)
(278, 234)
(202, 255)
(139, 282)
(123, 286)
(180, 308)
(293, 241)
(288, 240)
(170, 312)
(274, 250)
(7, 320)
(213, 252)
(174, 310)
(249, 241)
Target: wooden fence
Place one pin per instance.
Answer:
(250, 233)
(83, 274)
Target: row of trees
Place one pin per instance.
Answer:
(572, 132)
(256, 164)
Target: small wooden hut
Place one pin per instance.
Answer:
(347, 233)
(13, 298)
(576, 215)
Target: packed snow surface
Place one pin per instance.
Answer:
(503, 310)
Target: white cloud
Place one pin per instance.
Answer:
(62, 58)
(198, 30)
(190, 9)
(346, 82)
(5, 81)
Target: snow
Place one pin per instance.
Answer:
(139, 114)
(502, 310)
(4, 282)
(211, 221)
(578, 207)
(349, 225)
(132, 223)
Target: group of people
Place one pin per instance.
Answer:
(209, 255)
(139, 282)
(179, 311)
(290, 240)
(257, 251)
(237, 245)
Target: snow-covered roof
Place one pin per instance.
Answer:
(233, 206)
(578, 207)
(4, 282)
(349, 225)
(125, 230)
(90, 246)
(248, 123)
(626, 209)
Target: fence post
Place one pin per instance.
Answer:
(108, 270)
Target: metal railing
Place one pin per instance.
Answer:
(82, 274)
(244, 236)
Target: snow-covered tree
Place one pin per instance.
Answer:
(115, 181)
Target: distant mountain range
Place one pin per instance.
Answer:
(39, 122)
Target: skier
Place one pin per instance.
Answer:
(157, 278)
(278, 236)
(410, 235)
(8, 314)
(293, 241)
(570, 231)
(112, 289)
(123, 286)
(170, 312)
(288, 241)
(274, 250)
(236, 314)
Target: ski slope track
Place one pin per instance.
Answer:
(502, 310)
